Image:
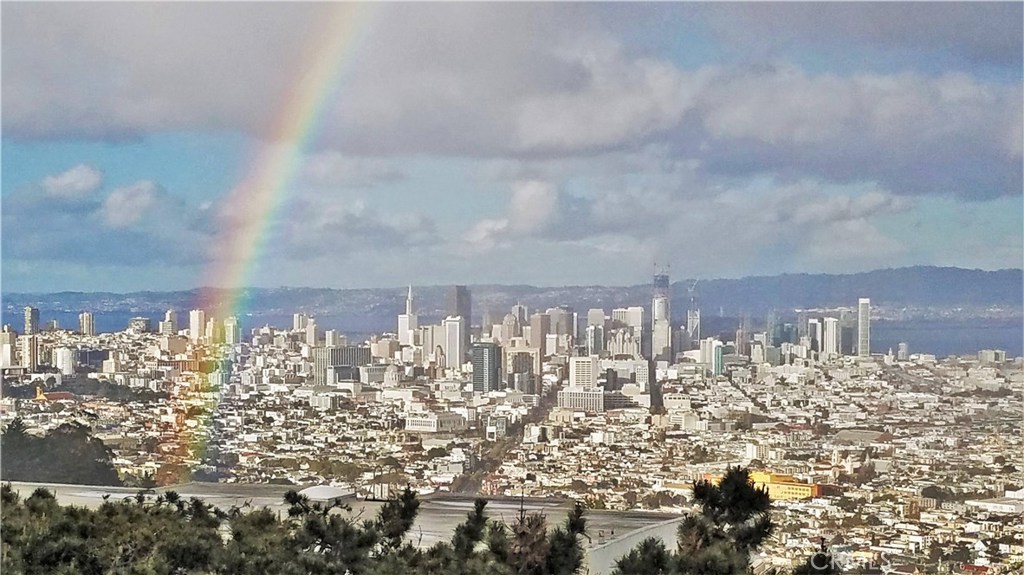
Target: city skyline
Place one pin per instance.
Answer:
(552, 142)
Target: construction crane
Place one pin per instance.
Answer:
(690, 291)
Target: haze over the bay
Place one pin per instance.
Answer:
(549, 144)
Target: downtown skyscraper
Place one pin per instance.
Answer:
(661, 319)
(864, 327)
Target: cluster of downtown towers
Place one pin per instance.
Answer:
(510, 352)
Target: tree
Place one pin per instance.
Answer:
(649, 557)
(67, 454)
(566, 552)
(734, 520)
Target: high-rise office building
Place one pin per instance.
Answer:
(408, 323)
(169, 326)
(139, 325)
(597, 325)
(299, 321)
(583, 371)
(629, 317)
(454, 352)
(831, 337)
(232, 331)
(486, 357)
(661, 319)
(332, 357)
(29, 351)
(864, 327)
(214, 331)
(86, 323)
(196, 325)
(312, 332)
(711, 355)
(8, 347)
(540, 327)
(563, 320)
(902, 351)
(815, 333)
(31, 320)
(65, 360)
(595, 339)
(522, 313)
(510, 327)
(460, 304)
(332, 338)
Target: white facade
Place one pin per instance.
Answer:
(583, 371)
(591, 400)
(453, 350)
(86, 323)
(629, 316)
(830, 339)
(435, 422)
(711, 355)
(65, 360)
(232, 331)
(196, 324)
(864, 327)
(408, 323)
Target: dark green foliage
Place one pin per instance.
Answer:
(649, 557)
(734, 520)
(68, 454)
(167, 534)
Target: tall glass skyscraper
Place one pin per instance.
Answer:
(864, 327)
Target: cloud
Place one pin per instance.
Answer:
(77, 182)
(314, 225)
(713, 227)
(915, 134)
(537, 82)
(986, 33)
(136, 225)
(127, 206)
(331, 168)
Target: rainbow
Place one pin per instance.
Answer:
(251, 207)
(256, 200)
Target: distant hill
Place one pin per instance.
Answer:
(971, 291)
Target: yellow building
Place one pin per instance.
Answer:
(780, 486)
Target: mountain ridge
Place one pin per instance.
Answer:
(976, 293)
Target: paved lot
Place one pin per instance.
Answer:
(612, 533)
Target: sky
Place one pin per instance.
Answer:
(544, 144)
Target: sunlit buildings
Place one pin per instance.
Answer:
(196, 325)
(864, 327)
(232, 331)
(86, 323)
(661, 319)
(830, 337)
(583, 371)
(65, 360)
(31, 320)
(169, 326)
(408, 323)
(454, 341)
